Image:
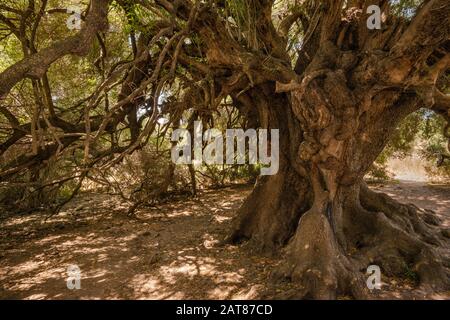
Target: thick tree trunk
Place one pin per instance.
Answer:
(269, 216)
(330, 226)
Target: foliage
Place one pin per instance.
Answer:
(420, 132)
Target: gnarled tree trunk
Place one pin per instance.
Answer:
(318, 207)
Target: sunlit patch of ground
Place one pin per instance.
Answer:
(411, 168)
(166, 252)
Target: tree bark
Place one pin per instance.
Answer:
(318, 211)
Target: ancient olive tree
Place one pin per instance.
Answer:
(335, 88)
(352, 88)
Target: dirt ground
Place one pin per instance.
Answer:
(168, 252)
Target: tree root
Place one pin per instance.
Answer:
(316, 262)
(398, 238)
(406, 238)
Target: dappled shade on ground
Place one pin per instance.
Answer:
(171, 251)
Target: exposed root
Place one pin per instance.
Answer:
(317, 263)
(405, 238)
(400, 239)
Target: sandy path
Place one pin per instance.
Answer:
(168, 252)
